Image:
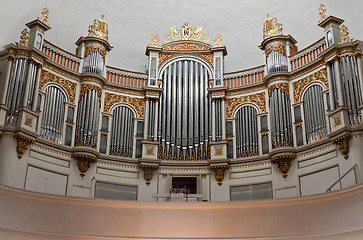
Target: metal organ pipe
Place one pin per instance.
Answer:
(246, 132)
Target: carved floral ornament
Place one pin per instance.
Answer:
(96, 48)
(279, 48)
(69, 86)
(186, 47)
(284, 87)
(137, 103)
(165, 56)
(344, 35)
(24, 37)
(186, 32)
(86, 87)
(298, 86)
(258, 98)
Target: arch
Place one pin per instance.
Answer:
(315, 82)
(123, 104)
(61, 88)
(175, 58)
(252, 104)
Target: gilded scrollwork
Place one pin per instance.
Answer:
(186, 47)
(278, 48)
(69, 86)
(137, 103)
(99, 29)
(272, 28)
(86, 87)
(284, 87)
(164, 56)
(186, 32)
(298, 86)
(258, 98)
(90, 50)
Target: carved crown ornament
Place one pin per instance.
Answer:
(99, 29)
(186, 32)
(272, 28)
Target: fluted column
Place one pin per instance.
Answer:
(36, 89)
(27, 83)
(6, 82)
(331, 87)
(339, 82)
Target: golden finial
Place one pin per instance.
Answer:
(186, 32)
(24, 37)
(344, 35)
(218, 40)
(99, 29)
(271, 27)
(322, 13)
(44, 17)
(154, 40)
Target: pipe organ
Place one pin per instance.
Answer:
(185, 115)
(184, 120)
(122, 139)
(314, 111)
(53, 114)
(87, 119)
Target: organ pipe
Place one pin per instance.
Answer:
(93, 63)
(184, 122)
(53, 114)
(276, 62)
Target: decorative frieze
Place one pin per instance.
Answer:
(258, 98)
(137, 103)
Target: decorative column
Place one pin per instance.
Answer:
(331, 87)
(27, 83)
(360, 73)
(339, 82)
(4, 91)
(36, 89)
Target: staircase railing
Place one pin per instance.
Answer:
(354, 169)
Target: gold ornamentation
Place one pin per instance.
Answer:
(344, 35)
(150, 151)
(86, 87)
(137, 103)
(164, 56)
(186, 32)
(154, 41)
(90, 50)
(257, 98)
(84, 162)
(219, 170)
(28, 121)
(343, 143)
(322, 13)
(69, 86)
(278, 48)
(23, 143)
(298, 86)
(272, 28)
(218, 40)
(218, 151)
(24, 37)
(99, 29)
(44, 17)
(337, 121)
(148, 173)
(160, 81)
(186, 47)
(283, 163)
(284, 87)
(208, 57)
(211, 82)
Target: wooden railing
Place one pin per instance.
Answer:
(126, 78)
(244, 77)
(307, 54)
(57, 55)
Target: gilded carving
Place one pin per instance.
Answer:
(23, 143)
(322, 13)
(278, 48)
(337, 121)
(28, 121)
(163, 57)
(150, 151)
(283, 163)
(284, 87)
(99, 29)
(257, 98)
(84, 162)
(343, 143)
(271, 27)
(344, 35)
(44, 17)
(298, 86)
(90, 50)
(219, 170)
(148, 173)
(218, 151)
(69, 86)
(86, 87)
(186, 32)
(218, 40)
(154, 40)
(137, 103)
(24, 37)
(186, 47)
(206, 56)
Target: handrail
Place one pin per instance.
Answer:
(345, 174)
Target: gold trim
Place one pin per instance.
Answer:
(283, 163)
(138, 103)
(284, 87)
(86, 87)
(257, 98)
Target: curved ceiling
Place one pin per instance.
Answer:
(131, 23)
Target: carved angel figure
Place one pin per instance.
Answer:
(24, 37)
(45, 15)
(322, 13)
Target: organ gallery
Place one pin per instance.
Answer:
(185, 130)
